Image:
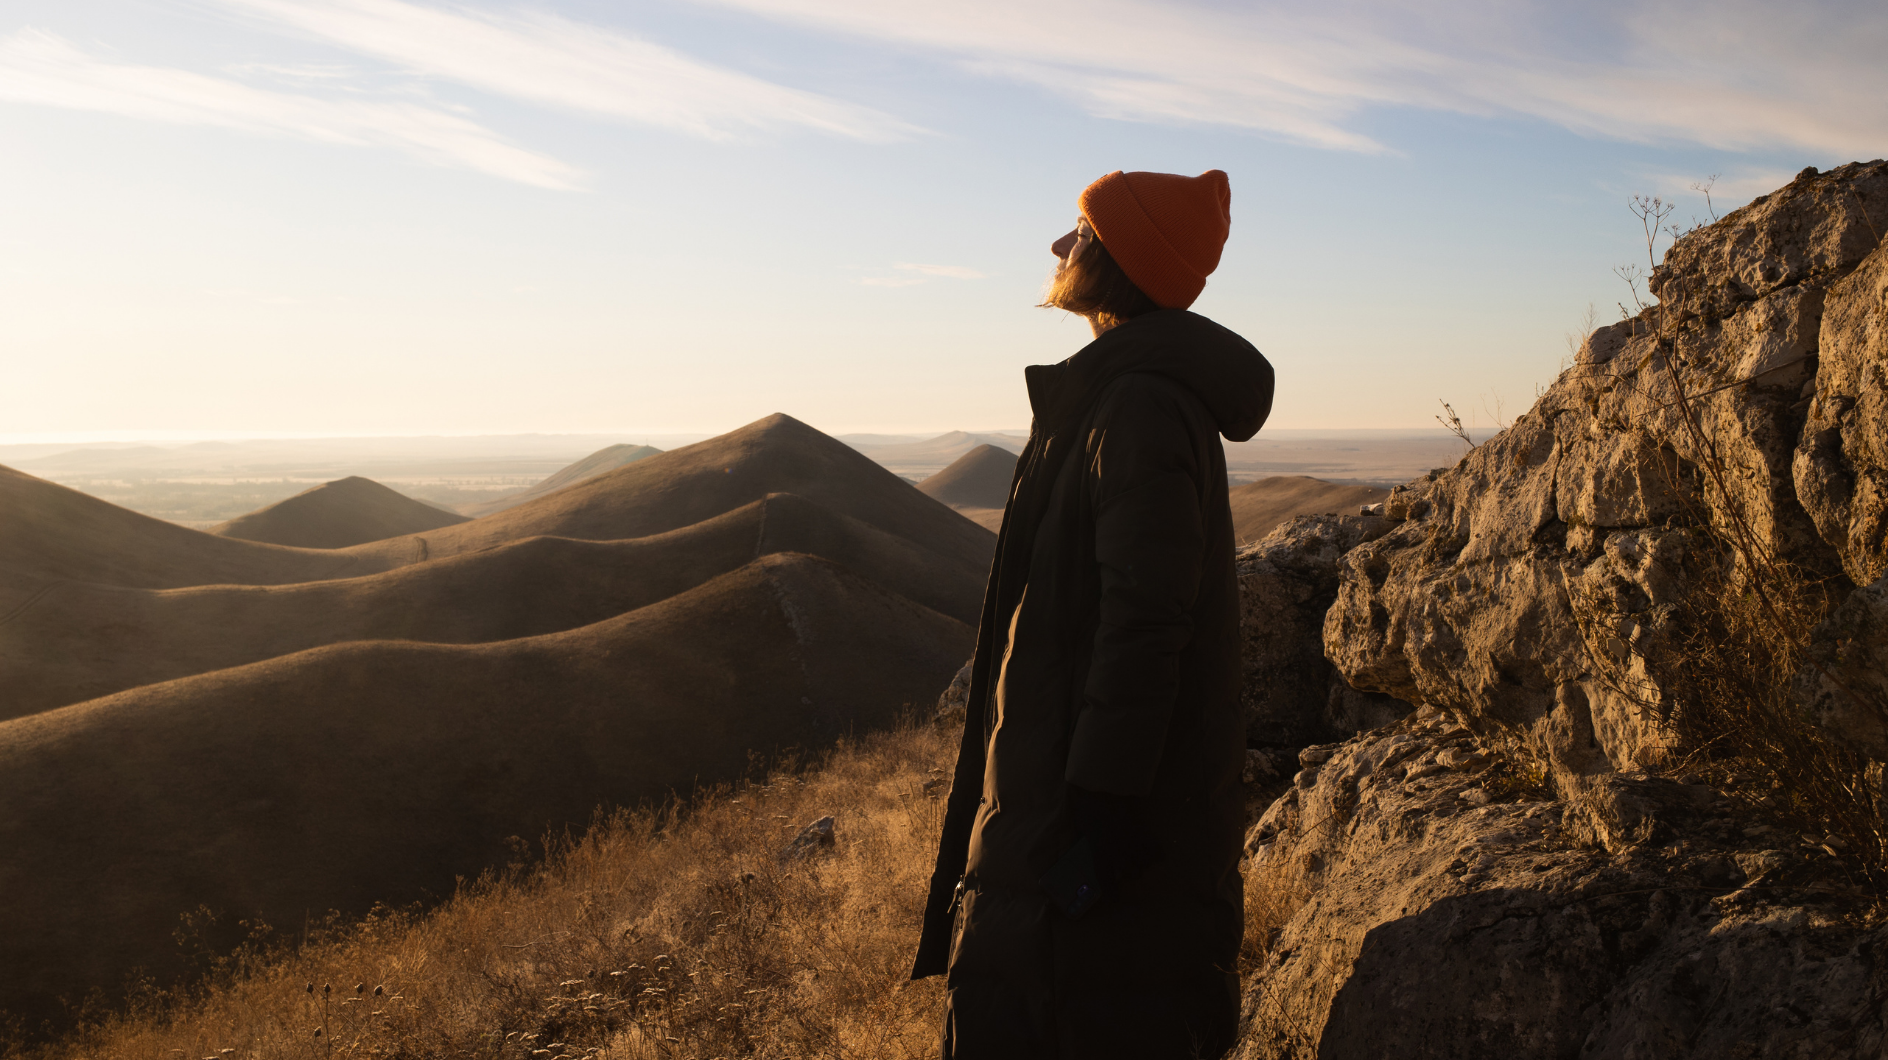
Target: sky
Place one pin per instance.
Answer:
(258, 217)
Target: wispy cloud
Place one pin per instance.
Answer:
(1730, 189)
(41, 68)
(955, 272)
(1736, 74)
(548, 59)
(925, 272)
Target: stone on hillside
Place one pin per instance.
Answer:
(951, 705)
(815, 837)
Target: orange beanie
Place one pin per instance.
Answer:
(1164, 230)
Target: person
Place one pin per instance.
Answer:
(1086, 902)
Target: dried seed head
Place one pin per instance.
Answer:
(326, 989)
(311, 988)
(379, 990)
(360, 988)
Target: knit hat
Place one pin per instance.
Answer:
(1163, 229)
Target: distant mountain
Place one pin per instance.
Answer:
(1258, 507)
(349, 511)
(980, 479)
(606, 459)
(116, 456)
(926, 457)
(976, 485)
(266, 730)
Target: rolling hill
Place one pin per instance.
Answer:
(605, 459)
(378, 771)
(927, 456)
(681, 487)
(51, 654)
(976, 485)
(266, 730)
(349, 511)
(51, 534)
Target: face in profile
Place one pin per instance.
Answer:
(1069, 248)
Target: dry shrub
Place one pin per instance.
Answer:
(1720, 670)
(658, 934)
(1742, 638)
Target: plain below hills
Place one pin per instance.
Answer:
(349, 511)
(266, 730)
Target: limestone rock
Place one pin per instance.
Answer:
(1527, 585)
(1841, 462)
(1418, 913)
(1286, 583)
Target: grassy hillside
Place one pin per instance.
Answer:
(656, 935)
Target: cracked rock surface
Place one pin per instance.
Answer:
(1596, 503)
(1430, 903)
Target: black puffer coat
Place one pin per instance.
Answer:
(1108, 658)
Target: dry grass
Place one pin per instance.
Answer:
(1728, 677)
(659, 934)
(1276, 888)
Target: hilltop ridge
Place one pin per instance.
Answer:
(348, 511)
(606, 459)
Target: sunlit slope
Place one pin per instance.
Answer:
(605, 459)
(49, 533)
(349, 511)
(78, 641)
(1258, 507)
(377, 771)
(684, 486)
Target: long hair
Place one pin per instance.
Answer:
(1094, 286)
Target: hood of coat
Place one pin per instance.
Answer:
(1230, 377)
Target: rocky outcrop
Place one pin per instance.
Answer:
(1294, 697)
(1427, 898)
(1525, 586)
(1511, 870)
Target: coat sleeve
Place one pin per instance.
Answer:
(1149, 544)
